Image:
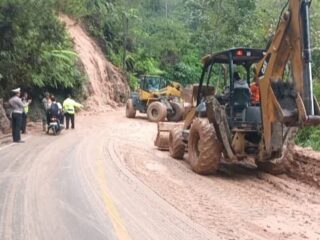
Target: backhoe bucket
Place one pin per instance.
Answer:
(164, 128)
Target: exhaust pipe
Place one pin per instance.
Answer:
(307, 56)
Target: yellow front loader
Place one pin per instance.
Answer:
(159, 98)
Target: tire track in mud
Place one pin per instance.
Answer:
(173, 225)
(203, 201)
(255, 205)
(225, 204)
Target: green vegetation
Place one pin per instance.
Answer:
(166, 37)
(35, 51)
(170, 37)
(310, 136)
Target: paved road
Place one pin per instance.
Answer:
(105, 180)
(73, 186)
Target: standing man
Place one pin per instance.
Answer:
(17, 106)
(46, 102)
(69, 106)
(25, 112)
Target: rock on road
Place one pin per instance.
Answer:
(105, 180)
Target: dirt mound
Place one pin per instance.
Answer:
(106, 86)
(304, 165)
(4, 121)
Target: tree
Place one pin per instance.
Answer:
(34, 48)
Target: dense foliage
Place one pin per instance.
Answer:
(170, 37)
(35, 51)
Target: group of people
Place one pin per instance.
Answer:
(53, 110)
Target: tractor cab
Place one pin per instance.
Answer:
(152, 83)
(230, 73)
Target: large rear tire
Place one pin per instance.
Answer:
(156, 112)
(204, 147)
(130, 110)
(178, 111)
(176, 144)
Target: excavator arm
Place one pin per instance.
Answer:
(287, 103)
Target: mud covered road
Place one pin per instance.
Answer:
(105, 180)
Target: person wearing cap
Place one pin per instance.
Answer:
(69, 106)
(17, 107)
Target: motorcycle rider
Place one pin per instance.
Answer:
(55, 113)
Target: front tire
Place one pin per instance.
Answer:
(178, 111)
(176, 144)
(204, 147)
(156, 112)
(130, 110)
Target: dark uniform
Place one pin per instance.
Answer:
(17, 110)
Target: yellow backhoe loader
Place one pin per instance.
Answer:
(228, 125)
(157, 97)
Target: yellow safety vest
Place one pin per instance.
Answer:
(26, 109)
(69, 105)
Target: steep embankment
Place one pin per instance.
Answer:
(106, 86)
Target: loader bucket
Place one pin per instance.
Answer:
(162, 139)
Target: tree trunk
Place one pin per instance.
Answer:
(4, 121)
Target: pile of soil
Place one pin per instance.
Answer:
(304, 164)
(107, 87)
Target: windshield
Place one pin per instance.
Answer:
(154, 83)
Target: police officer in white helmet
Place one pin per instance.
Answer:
(17, 107)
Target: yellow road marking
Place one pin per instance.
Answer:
(119, 226)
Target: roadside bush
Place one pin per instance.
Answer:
(310, 136)
(35, 51)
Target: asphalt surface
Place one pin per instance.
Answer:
(73, 186)
(106, 180)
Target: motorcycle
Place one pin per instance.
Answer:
(55, 126)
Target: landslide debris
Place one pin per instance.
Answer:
(107, 87)
(303, 164)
